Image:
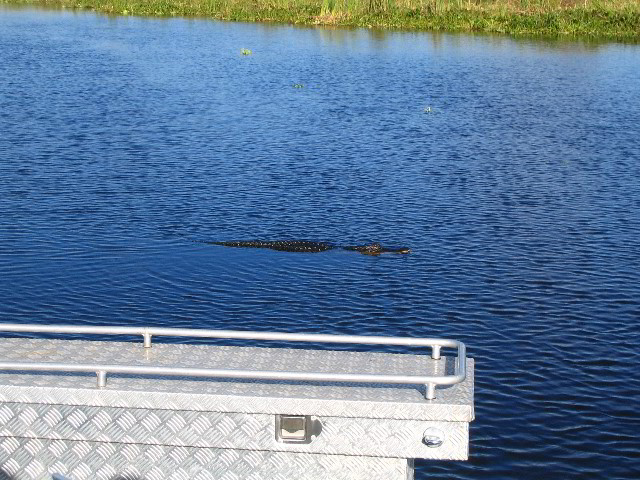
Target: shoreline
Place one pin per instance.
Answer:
(612, 20)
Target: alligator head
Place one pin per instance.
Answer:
(378, 249)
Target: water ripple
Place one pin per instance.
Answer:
(520, 209)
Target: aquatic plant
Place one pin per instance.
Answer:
(618, 19)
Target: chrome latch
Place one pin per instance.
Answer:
(296, 428)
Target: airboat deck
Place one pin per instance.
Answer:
(132, 410)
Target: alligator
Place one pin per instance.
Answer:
(311, 247)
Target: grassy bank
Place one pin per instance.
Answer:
(595, 18)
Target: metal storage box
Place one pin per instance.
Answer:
(168, 412)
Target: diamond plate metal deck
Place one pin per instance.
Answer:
(339, 436)
(38, 459)
(153, 427)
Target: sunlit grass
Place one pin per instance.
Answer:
(605, 18)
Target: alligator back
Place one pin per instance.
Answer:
(281, 245)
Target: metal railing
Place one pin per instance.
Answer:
(147, 333)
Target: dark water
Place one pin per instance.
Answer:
(121, 139)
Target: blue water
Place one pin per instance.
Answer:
(124, 139)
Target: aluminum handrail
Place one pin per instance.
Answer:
(147, 332)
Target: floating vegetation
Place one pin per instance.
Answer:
(298, 85)
(245, 51)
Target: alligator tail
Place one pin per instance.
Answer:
(242, 243)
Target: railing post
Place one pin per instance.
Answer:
(435, 352)
(102, 378)
(147, 339)
(431, 391)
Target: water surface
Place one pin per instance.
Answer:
(122, 140)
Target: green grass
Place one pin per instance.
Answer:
(619, 19)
